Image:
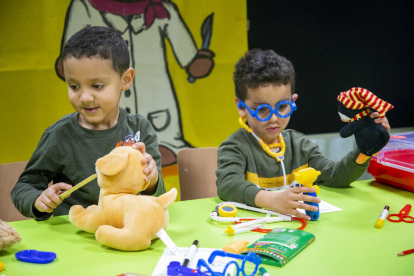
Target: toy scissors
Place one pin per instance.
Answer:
(402, 215)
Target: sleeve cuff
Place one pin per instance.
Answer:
(249, 195)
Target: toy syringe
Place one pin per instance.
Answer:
(245, 226)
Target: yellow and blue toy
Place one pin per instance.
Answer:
(306, 177)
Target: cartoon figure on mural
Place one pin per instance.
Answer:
(146, 25)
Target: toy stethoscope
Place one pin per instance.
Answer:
(279, 156)
(226, 212)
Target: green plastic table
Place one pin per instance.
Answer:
(346, 242)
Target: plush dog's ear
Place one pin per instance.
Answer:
(166, 199)
(112, 163)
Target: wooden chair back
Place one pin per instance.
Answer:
(197, 172)
(9, 174)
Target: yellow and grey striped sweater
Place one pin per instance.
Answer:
(244, 168)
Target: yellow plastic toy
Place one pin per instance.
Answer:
(227, 210)
(236, 247)
(122, 219)
(306, 177)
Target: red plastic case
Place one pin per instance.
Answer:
(394, 164)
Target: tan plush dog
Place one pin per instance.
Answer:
(122, 219)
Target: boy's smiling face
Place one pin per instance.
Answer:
(94, 90)
(270, 130)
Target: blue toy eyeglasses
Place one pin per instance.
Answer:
(264, 112)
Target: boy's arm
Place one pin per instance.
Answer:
(150, 140)
(231, 183)
(342, 173)
(338, 174)
(36, 177)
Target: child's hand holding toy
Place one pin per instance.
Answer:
(380, 120)
(49, 199)
(371, 132)
(150, 170)
(287, 202)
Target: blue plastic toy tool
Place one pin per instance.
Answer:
(35, 256)
(175, 268)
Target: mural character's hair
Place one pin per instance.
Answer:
(262, 67)
(100, 42)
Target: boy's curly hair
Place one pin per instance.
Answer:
(100, 42)
(260, 67)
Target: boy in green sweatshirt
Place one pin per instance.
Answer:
(96, 67)
(247, 171)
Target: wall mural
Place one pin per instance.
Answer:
(146, 26)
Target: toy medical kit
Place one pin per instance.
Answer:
(402, 215)
(382, 217)
(245, 226)
(123, 219)
(81, 184)
(355, 105)
(394, 164)
(190, 254)
(306, 177)
(35, 256)
(270, 217)
(174, 268)
(236, 247)
(280, 245)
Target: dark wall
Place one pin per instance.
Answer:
(336, 45)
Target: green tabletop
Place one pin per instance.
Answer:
(346, 241)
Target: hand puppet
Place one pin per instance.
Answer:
(8, 236)
(355, 105)
(122, 219)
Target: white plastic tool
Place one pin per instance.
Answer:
(245, 226)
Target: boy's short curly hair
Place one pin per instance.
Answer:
(101, 42)
(260, 67)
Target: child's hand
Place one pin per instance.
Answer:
(287, 202)
(49, 199)
(151, 169)
(383, 121)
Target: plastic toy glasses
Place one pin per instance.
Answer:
(174, 268)
(264, 112)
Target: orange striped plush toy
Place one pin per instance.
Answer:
(355, 105)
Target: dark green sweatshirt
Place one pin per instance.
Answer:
(244, 168)
(67, 153)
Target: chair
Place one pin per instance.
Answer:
(9, 174)
(197, 172)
